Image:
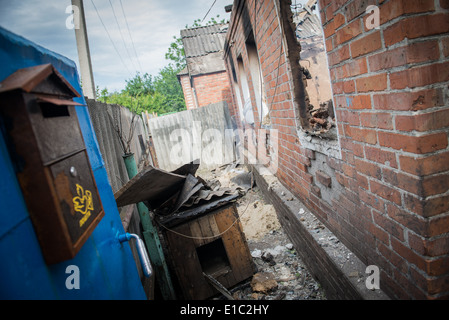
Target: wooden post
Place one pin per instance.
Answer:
(82, 43)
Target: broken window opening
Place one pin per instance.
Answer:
(313, 93)
(248, 115)
(257, 80)
(235, 85)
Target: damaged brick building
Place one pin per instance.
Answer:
(204, 80)
(378, 177)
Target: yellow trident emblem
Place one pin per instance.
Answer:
(83, 203)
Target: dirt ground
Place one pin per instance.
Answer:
(280, 275)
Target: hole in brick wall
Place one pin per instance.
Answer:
(312, 88)
(267, 144)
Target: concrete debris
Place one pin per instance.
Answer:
(276, 251)
(268, 258)
(244, 180)
(263, 282)
(256, 253)
(294, 282)
(323, 118)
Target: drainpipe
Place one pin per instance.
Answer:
(151, 238)
(195, 97)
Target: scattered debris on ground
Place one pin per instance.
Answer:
(280, 275)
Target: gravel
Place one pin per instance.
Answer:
(275, 254)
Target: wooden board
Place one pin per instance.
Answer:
(187, 265)
(219, 224)
(152, 185)
(205, 229)
(236, 246)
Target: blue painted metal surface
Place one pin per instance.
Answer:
(107, 269)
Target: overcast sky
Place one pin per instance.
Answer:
(152, 24)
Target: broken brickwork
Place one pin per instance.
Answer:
(381, 182)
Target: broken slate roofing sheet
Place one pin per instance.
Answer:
(203, 40)
(158, 188)
(308, 27)
(307, 23)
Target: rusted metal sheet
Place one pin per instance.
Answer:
(29, 80)
(79, 201)
(53, 166)
(26, 79)
(56, 101)
(57, 136)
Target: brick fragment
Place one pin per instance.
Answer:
(323, 178)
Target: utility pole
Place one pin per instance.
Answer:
(82, 44)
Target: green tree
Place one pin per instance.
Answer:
(167, 84)
(162, 93)
(140, 85)
(176, 53)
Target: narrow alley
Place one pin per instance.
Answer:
(290, 150)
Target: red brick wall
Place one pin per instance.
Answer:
(210, 88)
(389, 198)
(390, 89)
(188, 92)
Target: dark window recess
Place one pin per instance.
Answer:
(231, 62)
(213, 258)
(52, 111)
(267, 143)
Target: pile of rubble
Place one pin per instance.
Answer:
(281, 274)
(323, 118)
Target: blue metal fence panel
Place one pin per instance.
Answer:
(107, 269)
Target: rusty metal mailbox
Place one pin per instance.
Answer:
(52, 165)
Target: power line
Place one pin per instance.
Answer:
(121, 35)
(132, 41)
(209, 11)
(109, 36)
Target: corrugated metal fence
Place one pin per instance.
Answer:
(205, 133)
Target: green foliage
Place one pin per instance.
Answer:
(160, 94)
(140, 85)
(163, 94)
(176, 53)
